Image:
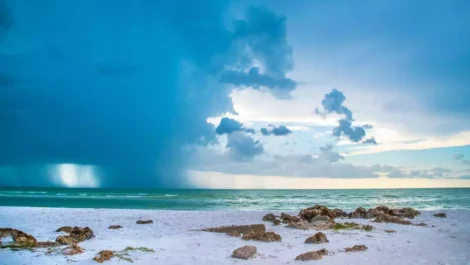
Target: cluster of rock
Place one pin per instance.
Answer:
(76, 235)
(20, 238)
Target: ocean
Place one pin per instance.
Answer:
(424, 199)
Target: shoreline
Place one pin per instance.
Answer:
(175, 241)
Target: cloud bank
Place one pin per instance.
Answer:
(122, 93)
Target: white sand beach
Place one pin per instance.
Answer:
(174, 240)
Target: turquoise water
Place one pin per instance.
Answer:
(425, 199)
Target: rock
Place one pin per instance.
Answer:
(356, 248)
(114, 227)
(359, 213)
(261, 236)
(384, 218)
(238, 228)
(312, 255)
(309, 213)
(81, 234)
(277, 222)
(66, 229)
(353, 225)
(320, 218)
(299, 225)
(234, 234)
(287, 219)
(20, 238)
(269, 217)
(406, 212)
(144, 222)
(72, 250)
(441, 215)
(420, 224)
(245, 252)
(103, 256)
(390, 231)
(47, 244)
(338, 213)
(318, 238)
(66, 240)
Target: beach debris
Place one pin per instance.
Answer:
(103, 256)
(261, 236)
(352, 225)
(114, 227)
(356, 248)
(20, 238)
(239, 228)
(144, 222)
(66, 240)
(66, 229)
(312, 255)
(390, 231)
(420, 224)
(234, 234)
(318, 238)
(245, 252)
(72, 250)
(441, 215)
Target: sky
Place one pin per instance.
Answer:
(234, 94)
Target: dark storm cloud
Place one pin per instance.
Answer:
(461, 159)
(276, 130)
(334, 103)
(254, 79)
(123, 91)
(370, 141)
(261, 35)
(228, 126)
(243, 147)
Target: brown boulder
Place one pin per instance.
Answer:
(318, 238)
(66, 240)
(309, 213)
(144, 222)
(103, 256)
(338, 213)
(22, 239)
(269, 217)
(245, 252)
(384, 218)
(358, 213)
(441, 215)
(312, 255)
(114, 227)
(406, 212)
(261, 236)
(356, 248)
(81, 234)
(72, 250)
(66, 229)
(287, 219)
(238, 228)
